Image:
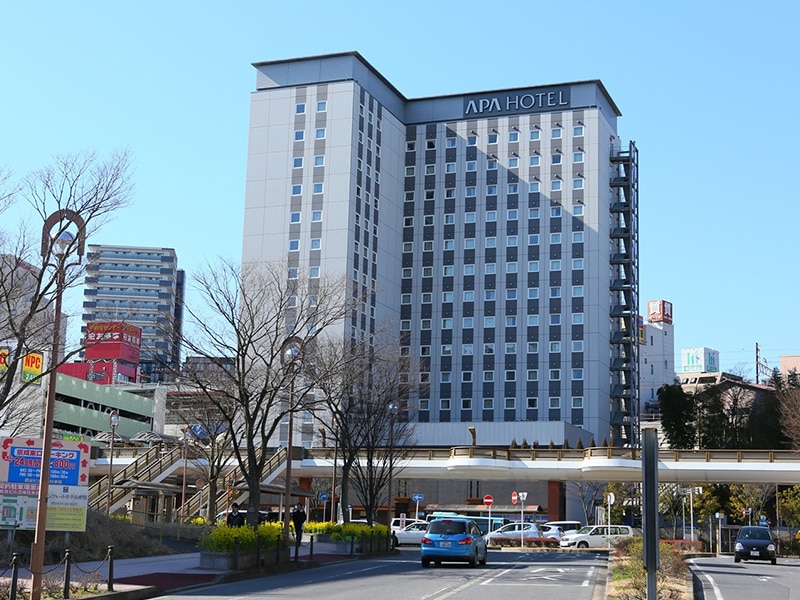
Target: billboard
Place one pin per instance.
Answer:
(699, 360)
(4, 352)
(112, 340)
(659, 311)
(32, 365)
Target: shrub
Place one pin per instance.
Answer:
(223, 538)
(629, 566)
(345, 532)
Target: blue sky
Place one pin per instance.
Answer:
(707, 91)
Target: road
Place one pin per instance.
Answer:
(558, 576)
(723, 579)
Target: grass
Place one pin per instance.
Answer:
(629, 578)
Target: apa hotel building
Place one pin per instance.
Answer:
(499, 229)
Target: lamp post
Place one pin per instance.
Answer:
(113, 421)
(185, 431)
(393, 408)
(290, 360)
(58, 246)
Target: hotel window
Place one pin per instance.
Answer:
(577, 402)
(428, 220)
(577, 264)
(427, 298)
(319, 133)
(510, 403)
(313, 272)
(297, 189)
(447, 323)
(293, 273)
(447, 350)
(488, 348)
(466, 403)
(488, 376)
(533, 187)
(466, 376)
(533, 293)
(533, 403)
(577, 183)
(425, 324)
(555, 374)
(491, 242)
(430, 169)
(555, 133)
(467, 350)
(424, 404)
(577, 237)
(409, 171)
(555, 238)
(577, 374)
(491, 190)
(577, 345)
(448, 270)
(555, 185)
(555, 211)
(533, 213)
(488, 403)
(491, 215)
(319, 160)
(577, 291)
(511, 294)
(406, 272)
(430, 144)
(316, 243)
(511, 267)
(299, 135)
(511, 321)
(488, 322)
(490, 268)
(405, 298)
(469, 269)
(492, 138)
(513, 162)
(533, 320)
(533, 266)
(450, 143)
(294, 217)
(294, 245)
(408, 221)
(297, 163)
(411, 146)
(555, 346)
(555, 265)
(472, 166)
(555, 319)
(424, 350)
(449, 219)
(317, 188)
(513, 136)
(556, 159)
(469, 217)
(577, 157)
(511, 348)
(427, 271)
(490, 295)
(447, 297)
(450, 167)
(535, 134)
(511, 375)
(322, 106)
(533, 161)
(533, 239)
(533, 347)
(532, 375)
(577, 210)
(445, 377)
(449, 244)
(555, 292)
(470, 192)
(577, 318)
(408, 246)
(491, 165)
(577, 131)
(444, 403)
(472, 140)
(299, 108)
(555, 402)
(427, 246)
(469, 243)
(511, 240)
(409, 196)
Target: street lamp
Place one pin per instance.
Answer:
(58, 246)
(290, 360)
(185, 431)
(393, 408)
(113, 421)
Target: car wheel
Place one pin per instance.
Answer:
(438, 563)
(485, 558)
(395, 543)
(774, 561)
(583, 544)
(473, 561)
(737, 559)
(426, 563)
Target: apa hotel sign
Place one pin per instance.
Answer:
(518, 101)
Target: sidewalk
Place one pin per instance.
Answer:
(139, 578)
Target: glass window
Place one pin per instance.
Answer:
(408, 246)
(488, 348)
(430, 169)
(427, 246)
(533, 266)
(449, 244)
(488, 376)
(449, 219)
(555, 238)
(292, 272)
(444, 403)
(555, 185)
(491, 242)
(491, 190)
(577, 157)
(469, 296)
(511, 348)
(319, 160)
(491, 215)
(427, 271)
(405, 298)
(430, 144)
(427, 297)
(297, 162)
(490, 295)
(533, 239)
(555, 211)
(555, 292)
(555, 346)
(469, 269)
(469, 243)
(299, 135)
(469, 217)
(511, 321)
(447, 297)
(491, 165)
(488, 322)
(447, 323)
(535, 134)
(450, 143)
(532, 375)
(511, 240)
(555, 402)
(577, 318)
(294, 245)
(466, 403)
(425, 324)
(513, 188)
(533, 347)
(577, 131)
(445, 377)
(409, 171)
(490, 268)
(299, 108)
(577, 401)
(577, 291)
(470, 192)
(450, 167)
(511, 375)
(577, 374)
(492, 138)
(424, 350)
(577, 264)
(533, 403)
(317, 188)
(513, 162)
(555, 133)
(511, 267)
(466, 376)
(472, 140)
(297, 189)
(313, 272)
(577, 345)
(322, 106)
(316, 216)
(468, 322)
(533, 187)
(467, 350)
(556, 159)
(447, 349)
(406, 272)
(533, 293)
(555, 374)
(294, 217)
(577, 210)
(534, 160)
(577, 237)
(533, 213)
(555, 265)
(533, 320)
(316, 243)
(472, 165)
(513, 136)
(510, 403)
(577, 183)
(555, 319)
(319, 133)
(511, 294)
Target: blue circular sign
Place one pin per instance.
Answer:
(417, 497)
(323, 497)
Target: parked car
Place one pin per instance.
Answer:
(512, 533)
(596, 536)
(551, 531)
(453, 540)
(566, 526)
(410, 534)
(754, 543)
(398, 523)
(264, 516)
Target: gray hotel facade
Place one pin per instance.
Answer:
(499, 230)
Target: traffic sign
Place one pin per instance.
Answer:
(417, 497)
(513, 497)
(323, 497)
(488, 500)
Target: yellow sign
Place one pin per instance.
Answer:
(32, 366)
(4, 352)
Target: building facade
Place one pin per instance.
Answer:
(142, 287)
(498, 229)
(657, 353)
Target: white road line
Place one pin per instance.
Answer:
(499, 574)
(717, 592)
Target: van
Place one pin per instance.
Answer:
(596, 536)
(566, 526)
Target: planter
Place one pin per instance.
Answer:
(228, 561)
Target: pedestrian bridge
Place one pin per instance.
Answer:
(590, 464)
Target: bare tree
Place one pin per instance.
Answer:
(587, 493)
(753, 497)
(241, 324)
(82, 185)
(789, 406)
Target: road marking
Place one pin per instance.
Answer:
(589, 576)
(717, 592)
(462, 587)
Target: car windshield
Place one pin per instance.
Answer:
(754, 534)
(446, 527)
(584, 530)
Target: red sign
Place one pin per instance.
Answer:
(488, 500)
(513, 497)
(112, 340)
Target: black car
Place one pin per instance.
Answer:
(754, 543)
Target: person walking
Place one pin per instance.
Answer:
(235, 518)
(298, 520)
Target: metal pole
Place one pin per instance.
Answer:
(691, 512)
(113, 419)
(334, 505)
(183, 488)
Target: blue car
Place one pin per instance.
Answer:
(453, 540)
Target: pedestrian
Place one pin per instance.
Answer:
(235, 518)
(298, 519)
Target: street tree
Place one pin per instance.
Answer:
(241, 323)
(677, 416)
(750, 500)
(587, 493)
(84, 185)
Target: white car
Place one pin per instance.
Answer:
(551, 531)
(410, 534)
(596, 536)
(511, 534)
(398, 523)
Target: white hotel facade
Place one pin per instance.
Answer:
(499, 228)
